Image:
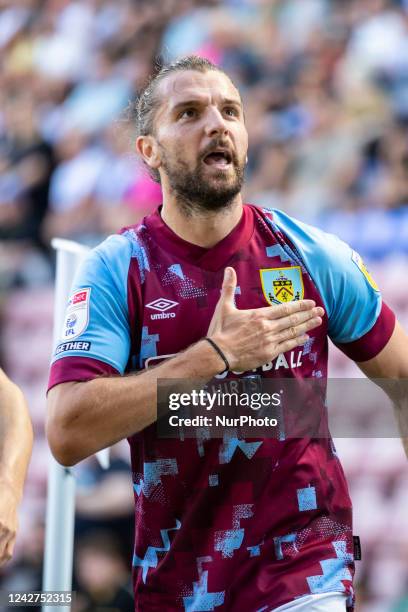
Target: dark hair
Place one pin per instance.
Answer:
(148, 101)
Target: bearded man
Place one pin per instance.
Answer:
(220, 524)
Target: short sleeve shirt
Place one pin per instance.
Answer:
(226, 524)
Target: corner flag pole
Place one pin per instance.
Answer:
(59, 533)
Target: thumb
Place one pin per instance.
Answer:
(228, 286)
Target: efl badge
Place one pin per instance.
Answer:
(77, 315)
(281, 285)
(358, 260)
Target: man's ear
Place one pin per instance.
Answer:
(148, 149)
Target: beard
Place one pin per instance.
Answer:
(197, 192)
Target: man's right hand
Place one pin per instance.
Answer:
(250, 338)
(79, 423)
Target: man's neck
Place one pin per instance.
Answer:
(205, 228)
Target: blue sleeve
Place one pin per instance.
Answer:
(351, 297)
(96, 323)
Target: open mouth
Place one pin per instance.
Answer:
(220, 159)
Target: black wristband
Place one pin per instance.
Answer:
(219, 351)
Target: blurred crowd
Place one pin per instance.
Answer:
(325, 90)
(324, 83)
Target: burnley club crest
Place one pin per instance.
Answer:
(281, 285)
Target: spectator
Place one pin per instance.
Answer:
(102, 575)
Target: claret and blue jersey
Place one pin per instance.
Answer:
(228, 524)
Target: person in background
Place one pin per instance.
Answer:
(101, 574)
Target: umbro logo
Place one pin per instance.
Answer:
(162, 305)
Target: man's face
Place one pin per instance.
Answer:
(202, 138)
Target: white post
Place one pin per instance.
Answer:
(59, 534)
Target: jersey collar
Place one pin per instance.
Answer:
(211, 259)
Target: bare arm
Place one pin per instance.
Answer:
(16, 441)
(392, 363)
(84, 417)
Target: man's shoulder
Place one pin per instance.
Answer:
(111, 258)
(112, 248)
(128, 242)
(298, 229)
(309, 240)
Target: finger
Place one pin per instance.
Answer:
(5, 557)
(3, 551)
(299, 330)
(10, 547)
(5, 533)
(288, 327)
(285, 310)
(298, 318)
(288, 345)
(229, 285)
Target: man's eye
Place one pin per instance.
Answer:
(188, 113)
(231, 111)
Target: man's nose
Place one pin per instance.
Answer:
(215, 123)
